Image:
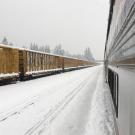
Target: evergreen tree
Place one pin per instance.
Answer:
(47, 49)
(58, 50)
(87, 54)
(5, 41)
(34, 46)
(11, 44)
(24, 47)
(41, 49)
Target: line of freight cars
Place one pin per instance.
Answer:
(22, 64)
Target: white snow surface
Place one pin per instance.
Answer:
(102, 119)
(72, 103)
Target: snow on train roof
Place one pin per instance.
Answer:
(13, 47)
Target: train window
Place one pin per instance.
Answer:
(113, 81)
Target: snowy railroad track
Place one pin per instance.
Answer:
(52, 114)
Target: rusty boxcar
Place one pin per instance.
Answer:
(22, 64)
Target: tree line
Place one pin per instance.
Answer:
(58, 50)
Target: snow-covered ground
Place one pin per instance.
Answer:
(72, 103)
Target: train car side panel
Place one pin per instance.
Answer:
(120, 62)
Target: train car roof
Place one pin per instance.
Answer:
(13, 47)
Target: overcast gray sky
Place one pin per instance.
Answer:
(75, 24)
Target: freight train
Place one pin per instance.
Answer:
(120, 63)
(23, 64)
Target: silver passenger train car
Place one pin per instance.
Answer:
(120, 62)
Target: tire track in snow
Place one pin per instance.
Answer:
(52, 114)
(17, 109)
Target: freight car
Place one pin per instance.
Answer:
(9, 67)
(120, 62)
(22, 64)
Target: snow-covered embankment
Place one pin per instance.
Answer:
(102, 118)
